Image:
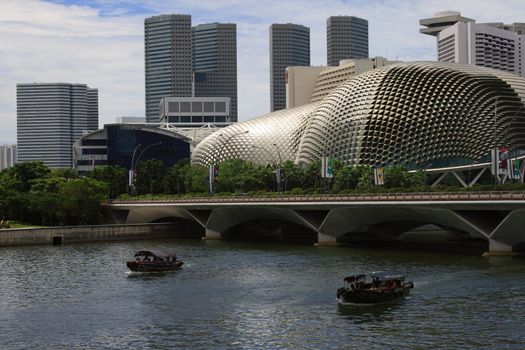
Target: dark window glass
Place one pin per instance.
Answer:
(93, 142)
(93, 151)
(173, 107)
(196, 119)
(196, 107)
(220, 106)
(185, 107)
(208, 107)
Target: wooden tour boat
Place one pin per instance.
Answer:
(373, 288)
(154, 260)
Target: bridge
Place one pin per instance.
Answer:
(497, 218)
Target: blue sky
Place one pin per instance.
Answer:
(100, 42)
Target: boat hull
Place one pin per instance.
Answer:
(373, 296)
(144, 266)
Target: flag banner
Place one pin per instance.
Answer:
(379, 176)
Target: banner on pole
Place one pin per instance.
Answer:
(327, 167)
(379, 176)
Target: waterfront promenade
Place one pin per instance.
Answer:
(496, 217)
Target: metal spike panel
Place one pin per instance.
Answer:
(409, 114)
(270, 139)
(413, 114)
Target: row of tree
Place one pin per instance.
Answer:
(33, 193)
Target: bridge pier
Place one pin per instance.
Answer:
(212, 235)
(325, 240)
(499, 249)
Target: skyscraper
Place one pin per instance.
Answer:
(8, 156)
(50, 118)
(168, 60)
(215, 62)
(346, 37)
(92, 109)
(462, 40)
(289, 46)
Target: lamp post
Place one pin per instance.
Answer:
(511, 168)
(279, 173)
(134, 163)
(213, 164)
(131, 170)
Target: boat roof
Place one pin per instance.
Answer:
(159, 253)
(378, 274)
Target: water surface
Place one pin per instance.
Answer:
(233, 295)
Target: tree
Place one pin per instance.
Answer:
(196, 179)
(173, 182)
(80, 201)
(294, 176)
(66, 173)
(237, 175)
(21, 175)
(114, 176)
(150, 175)
(44, 199)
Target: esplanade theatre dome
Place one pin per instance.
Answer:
(411, 114)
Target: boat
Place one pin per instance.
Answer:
(373, 288)
(154, 260)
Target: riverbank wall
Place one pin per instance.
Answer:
(94, 233)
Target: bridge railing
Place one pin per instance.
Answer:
(369, 197)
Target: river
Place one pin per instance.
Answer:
(235, 295)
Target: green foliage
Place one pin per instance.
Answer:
(173, 182)
(238, 176)
(66, 173)
(80, 201)
(150, 176)
(115, 177)
(196, 179)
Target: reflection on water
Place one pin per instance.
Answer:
(369, 313)
(253, 296)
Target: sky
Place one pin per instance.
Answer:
(101, 42)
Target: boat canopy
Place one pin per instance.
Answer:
(383, 276)
(159, 253)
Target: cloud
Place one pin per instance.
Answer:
(100, 42)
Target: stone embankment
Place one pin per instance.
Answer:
(74, 234)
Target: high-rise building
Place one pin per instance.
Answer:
(92, 109)
(8, 156)
(50, 118)
(215, 62)
(289, 46)
(168, 60)
(346, 38)
(462, 40)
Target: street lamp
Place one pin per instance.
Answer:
(279, 172)
(134, 163)
(131, 170)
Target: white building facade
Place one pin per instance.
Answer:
(493, 45)
(8, 156)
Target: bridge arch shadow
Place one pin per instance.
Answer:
(404, 226)
(271, 230)
(182, 227)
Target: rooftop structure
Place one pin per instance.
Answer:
(462, 40)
